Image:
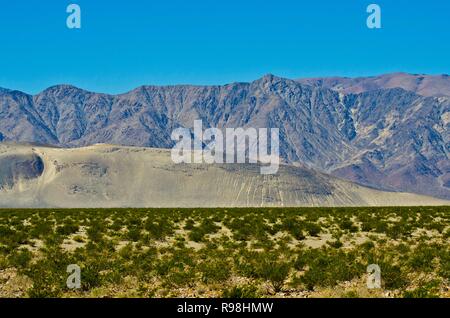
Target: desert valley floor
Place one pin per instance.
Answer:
(222, 252)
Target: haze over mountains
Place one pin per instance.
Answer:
(388, 132)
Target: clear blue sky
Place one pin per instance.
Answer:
(124, 44)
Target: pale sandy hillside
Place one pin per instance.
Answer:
(115, 176)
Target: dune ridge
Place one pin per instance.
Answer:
(118, 176)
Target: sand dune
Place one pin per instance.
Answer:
(116, 176)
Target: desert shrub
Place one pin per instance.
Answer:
(78, 238)
(392, 275)
(67, 229)
(116, 225)
(350, 294)
(158, 228)
(20, 258)
(48, 274)
(367, 226)
(275, 272)
(246, 291)
(207, 226)
(179, 278)
(5, 232)
(403, 249)
(438, 226)
(44, 287)
(126, 252)
(327, 267)
(335, 243)
(447, 234)
(347, 225)
(134, 234)
(301, 260)
(90, 276)
(12, 238)
(3, 262)
(422, 257)
(246, 263)
(196, 234)
(215, 271)
(291, 225)
(95, 232)
(396, 231)
(425, 290)
(115, 275)
(297, 233)
(143, 263)
(179, 259)
(189, 224)
(248, 226)
(41, 229)
(367, 246)
(444, 270)
(381, 227)
(312, 229)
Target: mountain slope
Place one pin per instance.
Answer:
(421, 84)
(386, 138)
(112, 176)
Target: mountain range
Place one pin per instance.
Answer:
(389, 132)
